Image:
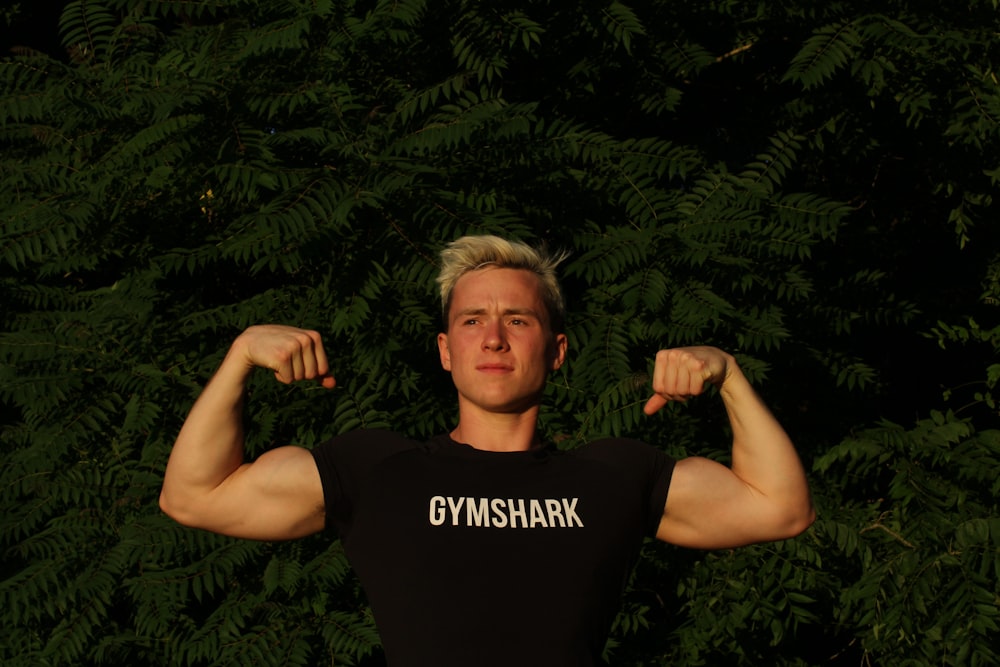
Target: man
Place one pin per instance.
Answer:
(485, 546)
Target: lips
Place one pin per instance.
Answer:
(494, 368)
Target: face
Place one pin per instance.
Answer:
(499, 346)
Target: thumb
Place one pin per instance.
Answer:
(654, 404)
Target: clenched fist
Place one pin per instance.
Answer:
(292, 353)
(680, 373)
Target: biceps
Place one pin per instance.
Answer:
(709, 507)
(277, 497)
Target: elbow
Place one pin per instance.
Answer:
(799, 519)
(175, 509)
(786, 520)
(167, 506)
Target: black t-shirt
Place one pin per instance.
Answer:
(472, 557)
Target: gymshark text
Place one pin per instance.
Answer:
(504, 512)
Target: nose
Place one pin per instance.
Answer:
(494, 339)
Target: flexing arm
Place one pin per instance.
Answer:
(208, 485)
(764, 496)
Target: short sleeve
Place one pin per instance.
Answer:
(646, 469)
(661, 469)
(345, 462)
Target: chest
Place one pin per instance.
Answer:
(437, 512)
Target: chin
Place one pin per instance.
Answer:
(499, 405)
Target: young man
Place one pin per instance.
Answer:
(485, 546)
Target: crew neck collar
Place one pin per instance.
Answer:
(539, 452)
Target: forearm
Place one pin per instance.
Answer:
(763, 456)
(209, 447)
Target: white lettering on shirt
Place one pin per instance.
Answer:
(436, 511)
(515, 513)
(498, 513)
(455, 505)
(504, 512)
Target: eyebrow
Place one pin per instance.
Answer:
(507, 311)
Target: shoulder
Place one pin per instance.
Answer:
(643, 470)
(346, 462)
(369, 438)
(624, 450)
(633, 459)
(361, 445)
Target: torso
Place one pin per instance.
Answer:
(495, 558)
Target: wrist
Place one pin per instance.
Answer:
(237, 364)
(733, 379)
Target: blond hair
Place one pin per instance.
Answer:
(471, 253)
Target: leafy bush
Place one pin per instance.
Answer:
(810, 188)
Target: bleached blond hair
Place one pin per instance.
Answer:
(472, 253)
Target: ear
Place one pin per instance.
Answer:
(559, 351)
(444, 351)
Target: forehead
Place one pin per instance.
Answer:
(491, 286)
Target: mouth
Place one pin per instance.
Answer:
(494, 368)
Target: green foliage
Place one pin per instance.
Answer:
(808, 187)
(924, 543)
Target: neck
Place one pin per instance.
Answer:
(514, 432)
